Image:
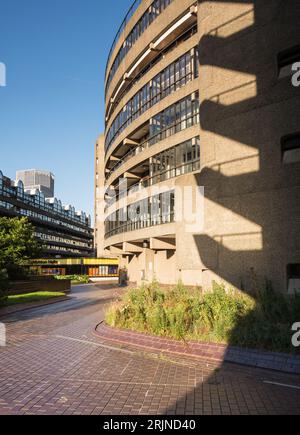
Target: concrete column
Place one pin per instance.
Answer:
(99, 197)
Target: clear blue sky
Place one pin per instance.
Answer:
(51, 111)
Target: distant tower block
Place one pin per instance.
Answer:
(35, 179)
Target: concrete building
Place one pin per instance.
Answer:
(62, 232)
(34, 179)
(202, 94)
(99, 201)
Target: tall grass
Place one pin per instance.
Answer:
(221, 316)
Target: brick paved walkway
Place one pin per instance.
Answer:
(53, 364)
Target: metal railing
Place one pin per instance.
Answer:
(163, 134)
(151, 102)
(137, 31)
(190, 32)
(166, 175)
(128, 16)
(142, 224)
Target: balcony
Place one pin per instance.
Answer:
(170, 163)
(178, 117)
(182, 24)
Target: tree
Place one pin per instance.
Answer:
(17, 245)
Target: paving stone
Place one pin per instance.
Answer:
(54, 364)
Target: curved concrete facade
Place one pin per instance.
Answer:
(203, 102)
(170, 14)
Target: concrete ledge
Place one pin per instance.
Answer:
(39, 284)
(287, 363)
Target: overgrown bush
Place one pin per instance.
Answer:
(223, 316)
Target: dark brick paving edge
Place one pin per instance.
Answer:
(210, 351)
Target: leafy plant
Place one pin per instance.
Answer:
(17, 246)
(222, 315)
(76, 279)
(4, 285)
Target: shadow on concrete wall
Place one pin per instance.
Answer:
(260, 196)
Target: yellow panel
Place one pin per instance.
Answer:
(75, 262)
(101, 262)
(56, 262)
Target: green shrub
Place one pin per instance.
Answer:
(75, 279)
(4, 285)
(17, 246)
(222, 316)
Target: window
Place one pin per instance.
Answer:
(159, 209)
(286, 59)
(174, 119)
(149, 16)
(176, 161)
(290, 146)
(196, 62)
(163, 84)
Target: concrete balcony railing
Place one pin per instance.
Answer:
(185, 42)
(147, 182)
(169, 25)
(141, 126)
(153, 140)
(131, 226)
(121, 29)
(154, 99)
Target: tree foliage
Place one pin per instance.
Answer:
(17, 246)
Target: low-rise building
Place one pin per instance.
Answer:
(62, 231)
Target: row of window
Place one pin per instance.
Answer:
(178, 117)
(149, 16)
(58, 239)
(41, 217)
(103, 271)
(172, 120)
(172, 78)
(125, 22)
(187, 34)
(56, 249)
(174, 162)
(181, 115)
(185, 158)
(149, 212)
(40, 202)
